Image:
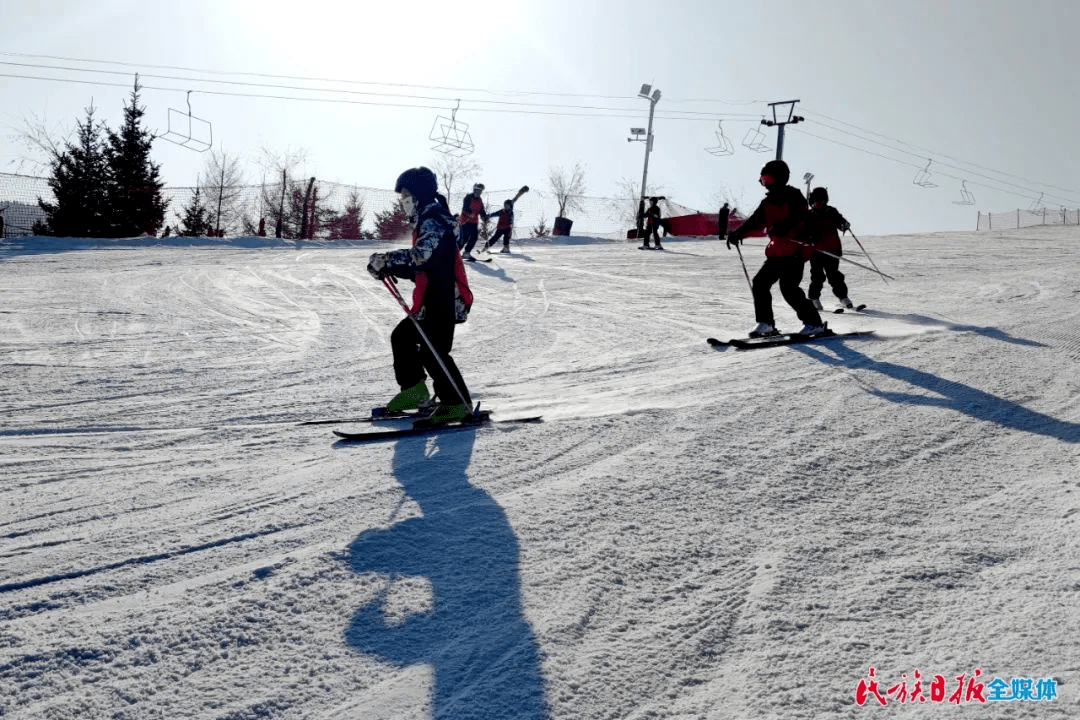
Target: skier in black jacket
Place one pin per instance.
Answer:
(824, 224)
(441, 299)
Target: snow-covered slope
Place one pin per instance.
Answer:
(691, 533)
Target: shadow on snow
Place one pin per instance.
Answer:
(482, 651)
(948, 394)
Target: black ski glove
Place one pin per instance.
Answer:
(377, 265)
(733, 239)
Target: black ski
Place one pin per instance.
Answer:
(782, 339)
(857, 308)
(377, 413)
(427, 427)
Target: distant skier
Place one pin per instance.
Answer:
(652, 223)
(722, 220)
(472, 209)
(824, 226)
(781, 215)
(505, 227)
(441, 299)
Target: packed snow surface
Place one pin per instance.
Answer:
(690, 533)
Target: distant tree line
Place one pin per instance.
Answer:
(104, 184)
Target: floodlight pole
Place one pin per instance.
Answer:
(653, 96)
(791, 120)
(653, 99)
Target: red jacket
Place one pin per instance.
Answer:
(434, 264)
(781, 215)
(823, 226)
(472, 209)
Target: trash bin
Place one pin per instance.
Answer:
(562, 226)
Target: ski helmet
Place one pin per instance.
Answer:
(421, 184)
(819, 194)
(777, 170)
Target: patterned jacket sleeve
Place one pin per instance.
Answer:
(405, 262)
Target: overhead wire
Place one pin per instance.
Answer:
(396, 99)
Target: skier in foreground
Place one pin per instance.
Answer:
(781, 215)
(824, 224)
(441, 299)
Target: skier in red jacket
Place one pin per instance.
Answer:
(781, 215)
(505, 227)
(472, 209)
(824, 225)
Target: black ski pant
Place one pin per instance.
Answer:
(504, 235)
(652, 231)
(823, 267)
(412, 357)
(788, 271)
(468, 235)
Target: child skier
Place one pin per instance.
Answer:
(441, 299)
(472, 209)
(781, 215)
(505, 227)
(824, 225)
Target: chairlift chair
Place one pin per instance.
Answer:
(966, 198)
(922, 178)
(1036, 206)
(724, 146)
(176, 135)
(451, 137)
(755, 140)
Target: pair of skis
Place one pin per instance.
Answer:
(753, 343)
(421, 424)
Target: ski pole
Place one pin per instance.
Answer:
(841, 257)
(867, 255)
(744, 272)
(391, 285)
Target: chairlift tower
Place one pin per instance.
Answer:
(780, 120)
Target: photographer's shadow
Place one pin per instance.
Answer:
(482, 652)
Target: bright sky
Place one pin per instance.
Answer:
(982, 90)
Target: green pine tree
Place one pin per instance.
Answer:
(196, 218)
(134, 188)
(78, 182)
